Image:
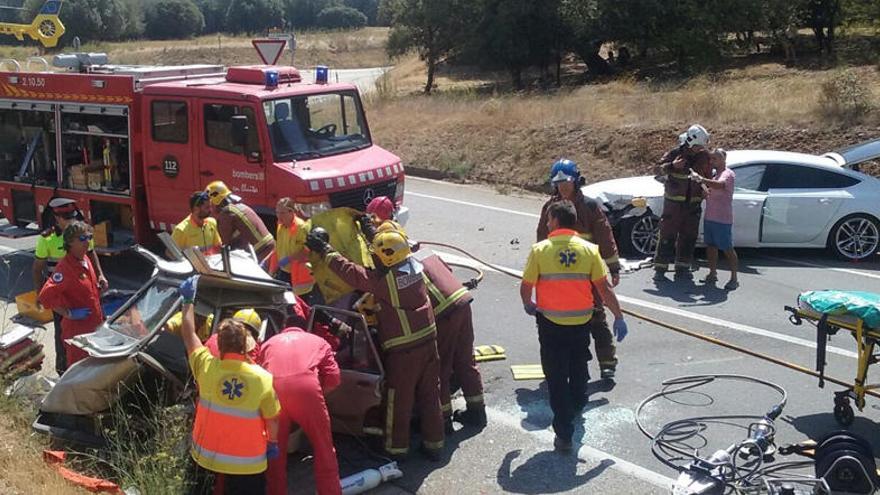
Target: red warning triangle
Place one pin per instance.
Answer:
(270, 50)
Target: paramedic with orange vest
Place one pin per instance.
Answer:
(288, 263)
(562, 271)
(236, 426)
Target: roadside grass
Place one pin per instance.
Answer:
(617, 128)
(341, 49)
(21, 454)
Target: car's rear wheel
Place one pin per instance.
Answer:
(638, 235)
(855, 237)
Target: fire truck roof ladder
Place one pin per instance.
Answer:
(96, 63)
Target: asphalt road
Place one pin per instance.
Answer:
(514, 454)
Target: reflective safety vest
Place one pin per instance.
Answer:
(288, 241)
(444, 289)
(240, 225)
(562, 269)
(229, 432)
(415, 324)
(678, 186)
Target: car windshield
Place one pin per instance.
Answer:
(311, 126)
(147, 313)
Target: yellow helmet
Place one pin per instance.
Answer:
(391, 246)
(390, 225)
(217, 192)
(250, 318)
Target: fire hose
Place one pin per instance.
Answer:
(675, 328)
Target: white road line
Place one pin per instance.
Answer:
(682, 313)
(816, 265)
(468, 203)
(585, 452)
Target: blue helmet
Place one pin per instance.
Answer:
(564, 170)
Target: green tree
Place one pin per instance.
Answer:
(430, 27)
(304, 13)
(254, 16)
(214, 12)
(369, 8)
(174, 19)
(341, 18)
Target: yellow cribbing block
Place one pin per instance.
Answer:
(483, 353)
(27, 306)
(527, 372)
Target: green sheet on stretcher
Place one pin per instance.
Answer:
(863, 305)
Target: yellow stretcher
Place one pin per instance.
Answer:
(866, 339)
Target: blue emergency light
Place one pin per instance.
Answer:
(322, 74)
(272, 79)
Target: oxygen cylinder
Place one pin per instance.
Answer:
(369, 479)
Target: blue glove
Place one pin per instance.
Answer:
(620, 329)
(283, 262)
(188, 289)
(79, 313)
(265, 265)
(272, 451)
(530, 309)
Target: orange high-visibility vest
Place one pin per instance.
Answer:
(229, 432)
(562, 269)
(286, 243)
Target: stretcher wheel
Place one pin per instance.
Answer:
(844, 413)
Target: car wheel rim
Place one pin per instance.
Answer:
(644, 235)
(857, 238)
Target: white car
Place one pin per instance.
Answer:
(782, 199)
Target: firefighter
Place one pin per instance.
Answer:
(49, 251)
(198, 229)
(451, 303)
(562, 271)
(239, 225)
(406, 334)
(73, 289)
(289, 262)
(304, 370)
(680, 222)
(235, 430)
(592, 225)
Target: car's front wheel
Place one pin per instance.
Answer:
(638, 235)
(855, 237)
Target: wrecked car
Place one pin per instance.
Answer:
(132, 358)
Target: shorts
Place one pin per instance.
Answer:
(718, 235)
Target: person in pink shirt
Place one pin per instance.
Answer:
(718, 218)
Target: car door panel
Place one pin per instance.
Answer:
(748, 208)
(793, 216)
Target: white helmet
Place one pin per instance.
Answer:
(697, 135)
(682, 138)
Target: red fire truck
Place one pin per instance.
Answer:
(131, 143)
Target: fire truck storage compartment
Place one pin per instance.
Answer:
(116, 219)
(27, 142)
(24, 207)
(95, 148)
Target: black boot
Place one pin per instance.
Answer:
(447, 425)
(472, 416)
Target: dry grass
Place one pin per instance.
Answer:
(340, 49)
(21, 456)
(617, 127)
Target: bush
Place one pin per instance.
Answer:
(341, 18)
(254, 16)
(304, 13)
(174, 19)
(846, 97)
(369, 8)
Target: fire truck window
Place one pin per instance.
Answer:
(27, 147)
(218, 128)
(95, 151)
(169, 120)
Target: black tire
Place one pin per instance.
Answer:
(855, 237)
(634, 239)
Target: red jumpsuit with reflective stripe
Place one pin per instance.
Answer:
(455, 332)
(74, 284)
(304, 369)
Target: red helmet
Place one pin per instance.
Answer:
(381, 207)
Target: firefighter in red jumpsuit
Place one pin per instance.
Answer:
(304, 370)
(682, 203)
(72, 290)
(406, 333)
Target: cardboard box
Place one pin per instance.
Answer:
(102, 234)
(27, 306)
(126, 217)
(77, 177)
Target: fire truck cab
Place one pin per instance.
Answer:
(131, 143)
